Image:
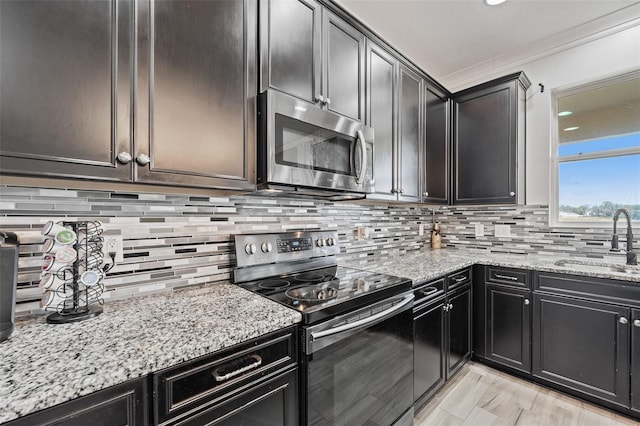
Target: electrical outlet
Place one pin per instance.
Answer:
(113, 244)
(421, 230)
(479, 230)
(503, 231)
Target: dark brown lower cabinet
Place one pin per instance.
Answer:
(458, 329)
(271, 403)
(582, 345)
(120, 405)
(428, 349)
(508, 327)
(635, 361)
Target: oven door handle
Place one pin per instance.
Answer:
(365, 321)
(363, 158)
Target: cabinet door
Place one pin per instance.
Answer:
(197, 122)
(290, 48)
(459, 330)
(343, 71)
(436, 173)
(410, 135)
(381, 89)
(428, 350)
(65, 73)
(635, 361)
(486, 145)
(509, 327)
(120, 405)
(582, 345)
(273, 402)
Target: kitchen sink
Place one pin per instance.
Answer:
(599, 266)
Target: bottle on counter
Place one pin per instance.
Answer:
(436, 238)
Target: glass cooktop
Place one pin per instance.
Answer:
(323, 293)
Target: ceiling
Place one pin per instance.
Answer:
(448, 37)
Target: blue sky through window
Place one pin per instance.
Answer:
(591, 182)
(618, 142)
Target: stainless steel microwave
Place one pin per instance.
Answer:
(305, 150)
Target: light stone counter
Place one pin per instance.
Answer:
(44, 364)
(427, 264)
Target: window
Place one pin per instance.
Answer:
(596, 154)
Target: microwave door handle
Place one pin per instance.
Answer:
(363, 160)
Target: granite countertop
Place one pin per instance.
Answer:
(427, 264)
(44, 364)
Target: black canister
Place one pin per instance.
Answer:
(9, 250)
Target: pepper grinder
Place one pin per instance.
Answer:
(436, 238)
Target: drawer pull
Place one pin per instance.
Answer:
(623, 320)
(636, 323)
(239, 366)
(506, 277)
(526, 301)
(460, 279)
(428, 291)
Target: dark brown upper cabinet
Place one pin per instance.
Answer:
(311, 53)
(197, 85)
(410, 147)
(437, 122)
(394, 110)
(65, 73)
(74, 105)
(489, 142)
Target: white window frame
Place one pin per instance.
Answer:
(554, 190)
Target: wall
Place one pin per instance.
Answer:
(603, 54)
(172, 241)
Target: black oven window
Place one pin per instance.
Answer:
(302, 145)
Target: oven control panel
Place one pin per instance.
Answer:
(259, 249)
(289, 245)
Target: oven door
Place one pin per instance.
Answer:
(359, 366)
(311, 147)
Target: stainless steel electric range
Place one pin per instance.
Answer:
(357, 335)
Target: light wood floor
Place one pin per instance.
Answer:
(479, 395)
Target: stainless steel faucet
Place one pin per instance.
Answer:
(632, 257)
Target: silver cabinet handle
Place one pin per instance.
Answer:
(445, 308)
(363, 159)
(143, 159)
(425, 194)
(506, 277)
(460, 279)
(364, 321)
(512, 194)
(327, 101)
(636, 323)
(450, 306)
(319, 98)
(400, 191)
(526, 301)
(124, 157)
(257, 362)
(623, 320)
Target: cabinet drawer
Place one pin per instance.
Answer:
(208, 380)
(507, 276)
(458, 279)
(123, 404)
(597, 289)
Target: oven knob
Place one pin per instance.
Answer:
(266, 247)
(250, 249)
(330, 241)
(320, 242)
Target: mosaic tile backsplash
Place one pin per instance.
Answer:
(174, 241)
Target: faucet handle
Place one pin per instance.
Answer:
(614, 243)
